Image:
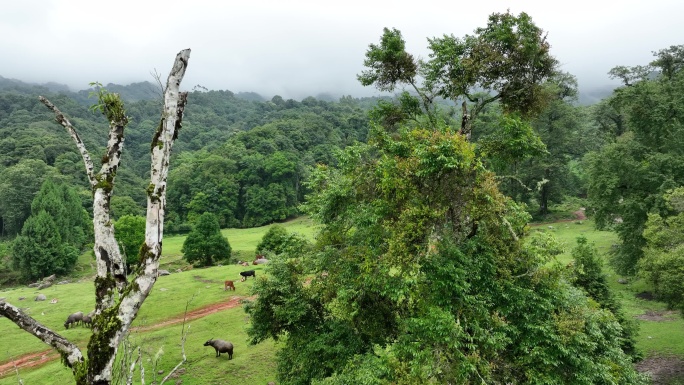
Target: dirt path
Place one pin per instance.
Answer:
(31, 360)
(28, 361)
(197, 313)
(663, 369)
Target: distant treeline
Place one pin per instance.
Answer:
(239, 156)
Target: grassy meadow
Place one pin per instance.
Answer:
(243, 242)
(194, 288)
(662, 333)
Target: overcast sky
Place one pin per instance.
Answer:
(298, 48)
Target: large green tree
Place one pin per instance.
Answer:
(629, 177)
(39, 250)
(55, 233)
(64, 205)
(507, 62)
(421, 275)
(663, 262)
(205, 245)
(502, 76)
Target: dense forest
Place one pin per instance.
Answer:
(424, 197)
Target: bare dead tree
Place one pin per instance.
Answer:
(117, 299)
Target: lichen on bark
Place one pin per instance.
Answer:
(114, 314)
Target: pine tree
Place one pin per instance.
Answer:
(39, 251)
(66, 209)
(205, 245)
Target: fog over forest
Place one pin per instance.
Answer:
(303, 48)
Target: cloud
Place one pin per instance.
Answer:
(299, 48)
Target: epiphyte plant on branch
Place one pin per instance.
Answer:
(117, 299)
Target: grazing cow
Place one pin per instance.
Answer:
(248, 273)
(73, 319)
(229, 284)
(87, 321)
(221, 346)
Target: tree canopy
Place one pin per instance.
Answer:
(629, 177)
(507, 62)
(205, 245)
(421, 275)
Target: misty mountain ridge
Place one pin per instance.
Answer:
(149, 91)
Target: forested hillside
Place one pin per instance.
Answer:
(242, 159)
(424, 269)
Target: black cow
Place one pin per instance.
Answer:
(248, 273)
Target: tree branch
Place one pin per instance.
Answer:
(62, 119)
(69, 351)
(137, 291)
(427, 102)
(510, 229)
(174, 105)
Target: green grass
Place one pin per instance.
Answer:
(251, 364)
(567, 233)
(246, 240)
(243, 242)
(167, 300)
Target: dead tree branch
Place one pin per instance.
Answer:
(71, 353)
(62, 119)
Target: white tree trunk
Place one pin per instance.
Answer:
(117, 300)
(137, 291)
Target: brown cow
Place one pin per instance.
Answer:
(229, 284)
